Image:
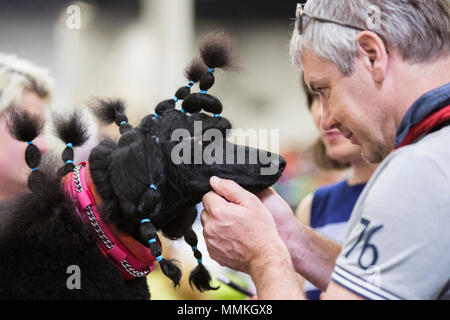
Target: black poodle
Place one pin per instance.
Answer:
(101, 217)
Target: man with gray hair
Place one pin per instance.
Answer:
(382, 71)
(30, 87)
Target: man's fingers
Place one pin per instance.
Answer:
(230, 190)
(213, 202)
(203, 217)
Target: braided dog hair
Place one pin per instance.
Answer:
(26, 127)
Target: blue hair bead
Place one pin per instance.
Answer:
(122, 123)
(203, 91)
(159, 258)
(200, 260)
(152, 186)
(182, 110)
(216, 115)
(156, 115)
(190, 84)
(145, 220)
(175, 99)
(211, 70)
(69, 161)
(30, 142)
(194, 248)
(69, 145)
(152, 240)
(34, 169)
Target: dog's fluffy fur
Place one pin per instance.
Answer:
(40, 233)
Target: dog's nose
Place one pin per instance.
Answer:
(279, 163)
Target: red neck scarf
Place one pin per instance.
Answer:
(425, 126)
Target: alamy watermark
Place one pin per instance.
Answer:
(210, 147)
(73, 21)
(373, 18)
(74, 280)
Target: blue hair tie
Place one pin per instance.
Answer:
(122, 123)
(200, 260)
(175, 99)
(152, 186)
(159, 258)
(203, 91)
(30, 142)
(145, 220)
(182, 110)
(156, 115)
(152, 240)
(194, 248)
(190, 84)
(69, 161)
(211, 70)
(69, 145)
(216, 115)
(34, 169)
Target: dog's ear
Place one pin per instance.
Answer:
(99, 168)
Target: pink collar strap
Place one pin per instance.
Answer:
(131, 266)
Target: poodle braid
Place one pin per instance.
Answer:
(73, 132)
(26, 127)
(199, 276)
(217, 51)
(148, 235)
(193, 73)
(109, 111)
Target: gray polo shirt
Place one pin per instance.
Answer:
(398, 244)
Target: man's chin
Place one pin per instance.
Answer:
(373, 155)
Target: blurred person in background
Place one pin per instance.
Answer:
(328, 209)
(28, 86)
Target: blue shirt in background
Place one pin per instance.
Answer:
(330, 211)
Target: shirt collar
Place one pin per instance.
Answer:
(422, 108)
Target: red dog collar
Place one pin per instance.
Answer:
(131, 257)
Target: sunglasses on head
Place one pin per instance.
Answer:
(300, 14)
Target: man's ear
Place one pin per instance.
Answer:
(374, 54)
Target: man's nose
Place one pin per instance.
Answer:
(327, 122)
(41, 143)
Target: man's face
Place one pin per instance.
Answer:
(13, 169)
(354, 105)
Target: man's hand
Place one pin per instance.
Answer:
(241, 234)
(281, 212)
(239, 230)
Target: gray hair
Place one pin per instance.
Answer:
(419, 29)
(18, 75)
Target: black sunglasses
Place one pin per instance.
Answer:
(300, 13)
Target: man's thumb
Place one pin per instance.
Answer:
(230, 190)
